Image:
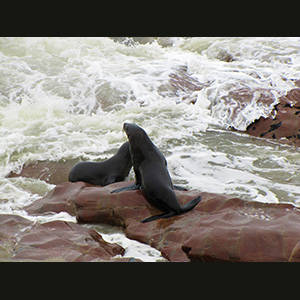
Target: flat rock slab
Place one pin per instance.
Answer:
(61, 198)
(219, 228)
(24, 240)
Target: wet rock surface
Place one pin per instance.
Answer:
(185, 85)
(284, 122)
(49, 171)
(24, 240)
(61, 198)
(219, 228)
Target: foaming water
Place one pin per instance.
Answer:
(67, 99)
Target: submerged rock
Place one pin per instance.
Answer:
(185, 85)
(219, 228)
(49, 171)
(24, 240)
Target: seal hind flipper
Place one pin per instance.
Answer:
(185, 208)
(131, 187)
(161, 216)
(190, 205)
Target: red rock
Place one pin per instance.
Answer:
(186, 84)
(219, 228)
(21, 239)
(96, 204)
(238, 100)
(59, 199)
(50, 171)
(285, 126)
(292, 97)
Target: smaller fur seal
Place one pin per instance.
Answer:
(152, 176)
(112, 170)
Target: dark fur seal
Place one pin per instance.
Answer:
(114, 169)
(152, 176)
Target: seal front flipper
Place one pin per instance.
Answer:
(161, 216)
(131, 187)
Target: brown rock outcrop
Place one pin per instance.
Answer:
(285, 126)
(23, 240)
(49, 171)
(219, 228)
(185, 85)
(61, 198)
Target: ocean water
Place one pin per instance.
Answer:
(67, 98)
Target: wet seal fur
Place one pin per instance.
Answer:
(112, 170)
(152, 176)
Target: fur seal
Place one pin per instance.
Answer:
(152, 176)
(112, 170)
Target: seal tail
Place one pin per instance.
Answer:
(190, 205)
(187, 207)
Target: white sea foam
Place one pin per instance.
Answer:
(134, 248)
